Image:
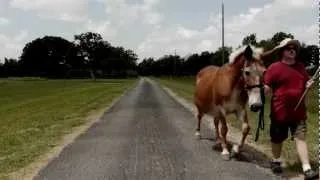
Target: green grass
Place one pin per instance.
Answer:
(184, 87)
(36, 113)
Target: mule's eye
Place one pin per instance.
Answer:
(247, 73)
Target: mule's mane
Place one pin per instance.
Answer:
(256, 53)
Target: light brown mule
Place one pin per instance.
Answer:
(221, 91)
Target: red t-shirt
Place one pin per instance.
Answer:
(288, 84)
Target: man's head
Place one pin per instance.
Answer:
(288, 52)
(288, 49)
(284, 48)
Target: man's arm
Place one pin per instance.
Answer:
(269, 79)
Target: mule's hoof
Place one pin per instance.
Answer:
(216, 147)
(225, 157)
(198, 136)
(233, 155)
(217, 143)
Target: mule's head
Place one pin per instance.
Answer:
(252, 73)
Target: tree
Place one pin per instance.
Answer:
(2, 73)
(146, 67)
(192, 65)
(309, 56)
(9, 68)
(217, 56)
(250, 39)
(45, 57)
(88, 44)
(279, 36)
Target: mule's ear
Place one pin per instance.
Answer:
(248, 53)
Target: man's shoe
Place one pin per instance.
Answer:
(276, 167)
(310, 174)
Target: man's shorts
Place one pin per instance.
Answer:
(279, 130)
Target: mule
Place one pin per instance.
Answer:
(225, 90)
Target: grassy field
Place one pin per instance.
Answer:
(34, 114)
(184, 87)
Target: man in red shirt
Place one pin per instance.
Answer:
(288, 79)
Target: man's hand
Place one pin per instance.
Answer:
(267, 89)
(309, 83)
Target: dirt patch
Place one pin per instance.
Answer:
(252, 152)
(28, 172)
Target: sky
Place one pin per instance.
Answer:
(153, 28)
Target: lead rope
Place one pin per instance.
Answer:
(261, 114)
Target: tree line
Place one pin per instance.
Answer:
(171, 65)
(87, 56)
(90, 56)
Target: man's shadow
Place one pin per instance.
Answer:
(250, 155)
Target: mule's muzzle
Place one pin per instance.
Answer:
(255, 107)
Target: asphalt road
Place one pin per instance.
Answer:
(146, 135)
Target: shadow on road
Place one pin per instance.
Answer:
(251, 155)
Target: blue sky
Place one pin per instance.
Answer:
(153, 28)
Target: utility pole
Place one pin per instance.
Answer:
(222, 7)
(175, 55)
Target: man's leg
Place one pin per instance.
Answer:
(276, 150)
(278, 133)
(299, 132)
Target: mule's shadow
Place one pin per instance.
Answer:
(251, 155)
(217, 147)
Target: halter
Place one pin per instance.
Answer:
(249, 87)
(261, 113)
(253, 86)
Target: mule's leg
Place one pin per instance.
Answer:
(216, 127)
(245, 128)
(224, 130)
(242, 115)
(199, 118)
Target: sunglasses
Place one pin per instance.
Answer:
(290, 48)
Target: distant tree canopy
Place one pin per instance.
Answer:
(87, 56)
(309, 55)
(45, 57)
(90, 56)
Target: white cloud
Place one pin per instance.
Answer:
(152, 18)
(11, 46)
(65, 10)
(204, 44)
(186, 33)
(103, 28)
(3, 5)
(121, 16)
(150, 15)
(308, 34)
(69, 17)
(126, 14)
(280, 15)
(4, 21)
(143, 19)
(179, 38)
